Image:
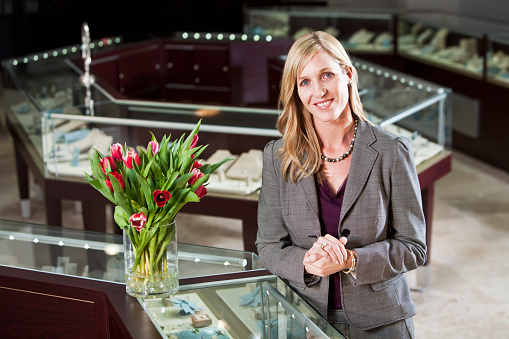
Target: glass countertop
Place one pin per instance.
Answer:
(100, 255)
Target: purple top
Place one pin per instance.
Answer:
(330, 211)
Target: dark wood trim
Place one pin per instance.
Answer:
(427, 178)
(71, 303)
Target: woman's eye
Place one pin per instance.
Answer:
(328, 75)
(304, 82)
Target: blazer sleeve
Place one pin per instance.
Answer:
(275, 248)
(405, 246)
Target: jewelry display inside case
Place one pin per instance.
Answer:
(261, 307)
(360, 30)
(451, 42)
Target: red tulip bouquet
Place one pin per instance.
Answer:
(149, 189)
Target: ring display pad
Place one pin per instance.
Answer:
(248, 315)
(243, 176)
(178, 324)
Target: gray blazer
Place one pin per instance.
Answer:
(381, 207)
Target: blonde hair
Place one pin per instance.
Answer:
(301, 145)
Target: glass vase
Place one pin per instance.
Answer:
(151, 261)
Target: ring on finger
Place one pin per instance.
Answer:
(323, 245)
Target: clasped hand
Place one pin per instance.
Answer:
(327, 256)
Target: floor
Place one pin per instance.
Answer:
(467, 295)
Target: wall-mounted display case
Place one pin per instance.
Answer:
(468, 55)
(360, 30)
(67, 282)
(446, 41)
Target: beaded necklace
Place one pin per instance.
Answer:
(347, 152)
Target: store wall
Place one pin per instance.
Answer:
(37, 25)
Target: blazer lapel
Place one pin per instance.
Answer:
(309, 188)
(363, 159)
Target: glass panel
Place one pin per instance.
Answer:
(248, 308)
(100, 255)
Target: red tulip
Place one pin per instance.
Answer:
(201, 191)
(138, 220)
(195, 141)
(155, 147)
(116, 152)
(161, 197)
(196, 175)
(128, 159)
(196, 164)
(119, 178)
(108, 165)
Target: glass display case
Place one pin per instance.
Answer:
(360, 30)
(100, 255)
(448, 41)
(408, 106)
(223, 293)
(261, 307)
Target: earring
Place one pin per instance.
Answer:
(349, 85)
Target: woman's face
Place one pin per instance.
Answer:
(323, 88)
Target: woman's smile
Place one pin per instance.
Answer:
(324, 104)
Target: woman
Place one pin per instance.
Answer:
(340, 215)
